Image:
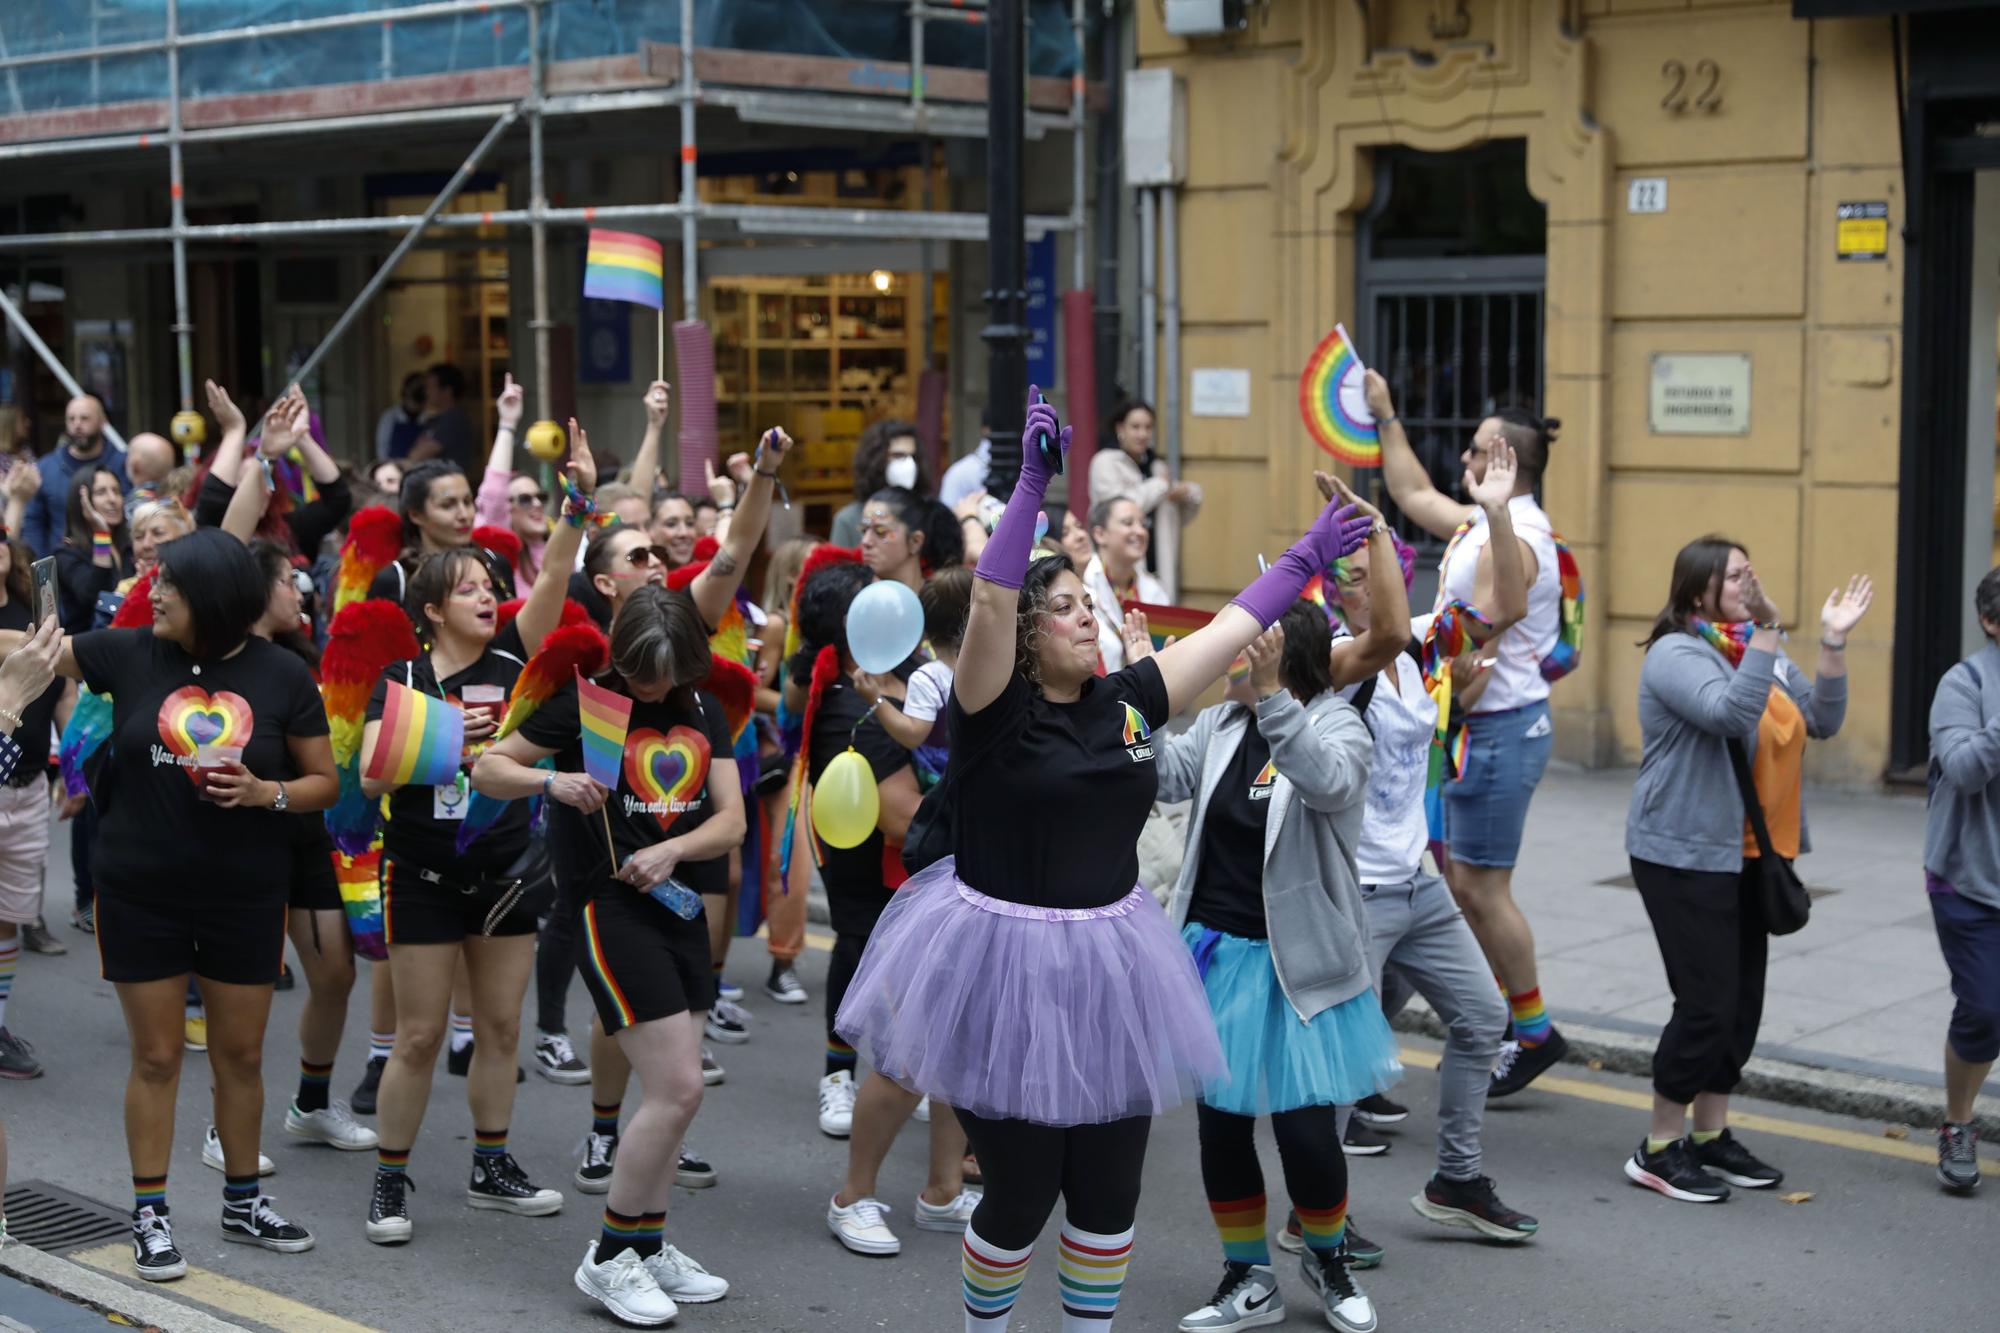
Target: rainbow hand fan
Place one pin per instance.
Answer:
(1334, 404)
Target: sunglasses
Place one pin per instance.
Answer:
(642, 556)
(528, 499)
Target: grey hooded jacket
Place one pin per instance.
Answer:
(1312, 897)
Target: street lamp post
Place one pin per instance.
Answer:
(1006, 332)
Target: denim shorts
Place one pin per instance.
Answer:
(1969, 937)
(1486, 807)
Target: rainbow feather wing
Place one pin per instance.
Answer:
(362, 641)
(360, 881)
(374, 536)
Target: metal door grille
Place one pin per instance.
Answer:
(53, 1219)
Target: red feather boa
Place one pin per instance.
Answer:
(503, 542)
(137, 608)
(572, 613)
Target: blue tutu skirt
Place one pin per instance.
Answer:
(1277, 1062)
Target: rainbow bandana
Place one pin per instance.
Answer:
(1729, 638)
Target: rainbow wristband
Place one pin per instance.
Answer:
(578, 509)
(100, 544)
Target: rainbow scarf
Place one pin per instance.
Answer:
(1567, 653)
(1729, 638)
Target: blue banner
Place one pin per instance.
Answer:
(1042, 366)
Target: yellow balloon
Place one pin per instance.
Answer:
(545, 441)
(845, 802)
(188, 429)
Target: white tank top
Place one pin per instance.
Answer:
(1517, 669)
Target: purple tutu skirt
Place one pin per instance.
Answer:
(1059, 1017)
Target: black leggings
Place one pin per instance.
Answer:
(847, 951)
(1308, 1146)
(556, 960)
(1095, 1168)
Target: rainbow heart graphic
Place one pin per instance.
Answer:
(191, 717)
(665, 771)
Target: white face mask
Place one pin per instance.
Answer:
(902, 471)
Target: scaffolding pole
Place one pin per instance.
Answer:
(183, 331)
(56, 368)
(690, 93)
(445, 196)
(1079, 263)
(538, 227)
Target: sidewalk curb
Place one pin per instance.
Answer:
(1836, 1091)
(106, 1295)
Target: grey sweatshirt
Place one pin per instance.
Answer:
(1686, 811)
(1962, 834)
(1312, 898)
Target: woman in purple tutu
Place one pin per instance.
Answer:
(1027, 979)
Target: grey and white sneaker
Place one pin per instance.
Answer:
(953, 1216)
(17, 1058)
(211, 1155)
(1247, 1297)
(256, 1222)
(684, 1280)
(1958, 1158)
(1347, 1306)
(624, 1285)
(784, 987)
(334, 1125)
(501, 1185)
(557, 1061)
(599, 1152)
(728, 1023)
(711, 1072)
(153, 1252)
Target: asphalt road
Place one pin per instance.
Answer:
(1876, 1245)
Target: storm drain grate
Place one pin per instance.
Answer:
(51, 1218)
(1813, 891)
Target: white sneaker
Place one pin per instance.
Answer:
(211, 1154)
(922, 1115)
(684, 1280)
(953, 1216)
(334, 1126)
(624, 1286)
(836, 1104)
(861, 1226)
(711, 1072)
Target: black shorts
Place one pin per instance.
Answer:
(313, 887)
(242, 944)
(421, 910)
(641, 961)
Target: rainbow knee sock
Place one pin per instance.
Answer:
(1090, 1270)
(641, 1234)
(1324, 1229)
(992, 1279)
(1240, 1222)
(1531, 1017)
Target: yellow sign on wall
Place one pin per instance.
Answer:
(1861, 232)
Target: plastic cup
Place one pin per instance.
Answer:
(213, 760)
(489, 699)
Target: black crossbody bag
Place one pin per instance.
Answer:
(1780, 898)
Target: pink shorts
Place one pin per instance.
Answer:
(24, 850)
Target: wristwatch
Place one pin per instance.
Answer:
(283, 802)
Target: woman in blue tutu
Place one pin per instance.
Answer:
(1026, 979)
(1270, 907)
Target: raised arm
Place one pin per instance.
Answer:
(1357, 659)
(318, 462)
(1507, 566)
(491, 503)
(715, 587)
(542, 611)
(1325, 761)
(246, 504)
(646, 466)
(1409, 481)
(229, 452)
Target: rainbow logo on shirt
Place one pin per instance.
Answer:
(1138, 735)
(1267, 777)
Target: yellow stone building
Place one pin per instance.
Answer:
(1690, 161)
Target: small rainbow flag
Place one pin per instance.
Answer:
(606, 716)
(1335, 405)
(422, 740)
(624, 266)
(1169, 622)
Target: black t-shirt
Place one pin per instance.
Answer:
(423, 820)
(159, 839)
(1051, 817)
(853, 876)
(1229, 879)
(663, 791)
(33, 733)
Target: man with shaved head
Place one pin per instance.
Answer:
(148, 460)
(83, 445)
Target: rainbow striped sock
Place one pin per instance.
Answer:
(489, 1142)
(238, 1189)
(839, 1056)
(10, 959)
(1090, 1272)
(1323, 1228)
(150, 1192)
(461, 1031)
(395, 1161)
(1241, 1224)
(1531, 1017)
(604, 1120)
(991, 1279)
(381, 1044)
(313, 1081)
(640, 1234)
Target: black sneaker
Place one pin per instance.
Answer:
(388, 1210)
(153, 1252)
(285, 981)
(599, 1152)
(255, 1222)
(1361, 1252)
(499, 1183)
(1521, 1065)
(459, 1063)
(693, 1172)
(35, 938)
(726, 1024)
(362, 1102)
(1726, 1156)
(557, 1061)
(1676, 1172)
(1379, 1110)
(1958, 1158)
(1472, 1203)
(1361, 1141)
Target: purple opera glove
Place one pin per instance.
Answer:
(1337, 532)
(1005, 559)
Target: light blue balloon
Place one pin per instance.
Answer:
(884, 626)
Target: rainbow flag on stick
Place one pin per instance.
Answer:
(422, 740)
(606, 716)
(624, 266)
(1169, 622)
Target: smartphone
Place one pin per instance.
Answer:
(1052, 454)
(45, 589)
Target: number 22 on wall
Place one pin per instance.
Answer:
(1708, 86)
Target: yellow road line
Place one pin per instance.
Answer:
(228, 1295)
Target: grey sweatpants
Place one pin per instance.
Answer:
(1418, 940)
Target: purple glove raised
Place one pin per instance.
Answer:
(1005, 559)
(1338, 531)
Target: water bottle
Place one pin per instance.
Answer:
(677, 898)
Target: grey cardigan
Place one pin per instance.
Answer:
(1962, 834)
(1312, 898)
(1686, 811)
